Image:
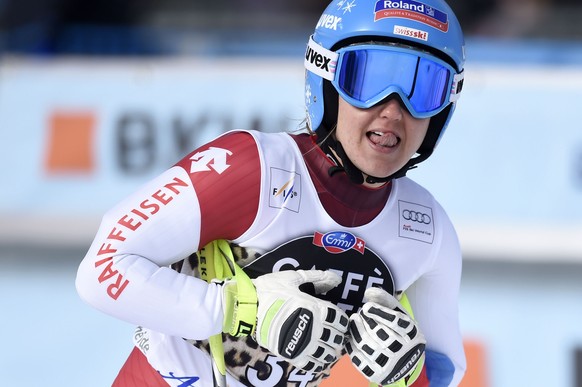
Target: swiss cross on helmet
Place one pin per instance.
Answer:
(355, 45)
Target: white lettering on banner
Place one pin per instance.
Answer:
(328, 21)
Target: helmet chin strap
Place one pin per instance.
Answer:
(343, 163)
(336, 152)
(339, 156)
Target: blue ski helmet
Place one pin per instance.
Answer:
(427, 26)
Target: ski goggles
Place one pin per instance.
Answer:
(365, 74)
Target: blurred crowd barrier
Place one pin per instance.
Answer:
(77, 135)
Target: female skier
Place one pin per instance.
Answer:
(260, 259)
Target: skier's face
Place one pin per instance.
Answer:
(379, 140)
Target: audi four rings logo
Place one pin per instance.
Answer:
(416, 216)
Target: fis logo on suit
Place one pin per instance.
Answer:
(285, 189)
(416, 222)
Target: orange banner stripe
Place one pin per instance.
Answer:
(70, 142)
(477, 374)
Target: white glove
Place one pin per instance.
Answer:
(384, 342)
(303, 330)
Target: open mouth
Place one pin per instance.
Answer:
(388, 140)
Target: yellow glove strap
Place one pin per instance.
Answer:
(217, 262)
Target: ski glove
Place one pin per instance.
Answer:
(384, 343)
(303, 330)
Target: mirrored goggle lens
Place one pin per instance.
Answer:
(369, 75)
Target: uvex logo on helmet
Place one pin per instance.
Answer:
(328, 21)
(319, 60)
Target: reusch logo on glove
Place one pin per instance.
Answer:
(295, 333)
(405, 365)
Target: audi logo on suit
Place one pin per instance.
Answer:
(416, 216)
